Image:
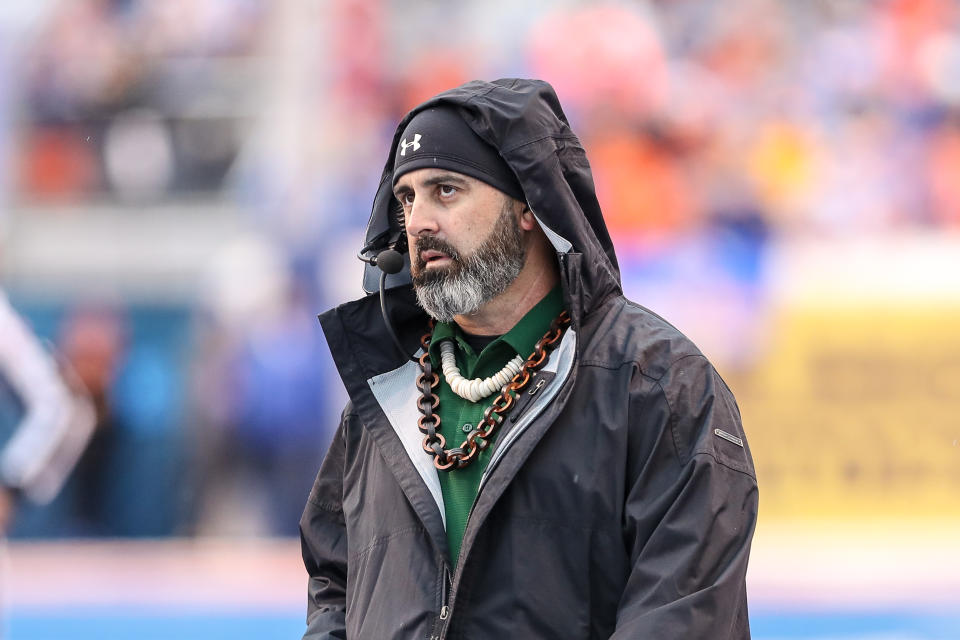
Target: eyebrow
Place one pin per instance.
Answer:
(445, 178)
(442, 178)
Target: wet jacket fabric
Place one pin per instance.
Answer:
(620, 500)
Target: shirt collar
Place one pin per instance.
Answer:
(531, 327)
(522, 338)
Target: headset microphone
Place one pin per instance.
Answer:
(389, 262)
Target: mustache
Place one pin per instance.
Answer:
(433, 243)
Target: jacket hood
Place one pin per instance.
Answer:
(524, 121)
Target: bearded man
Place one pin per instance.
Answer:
(557, 461)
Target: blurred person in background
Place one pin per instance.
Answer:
(278, 392)
(596, 485)
(92, 340)
(53, 419)
(258, 391)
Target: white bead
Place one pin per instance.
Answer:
(476, 389)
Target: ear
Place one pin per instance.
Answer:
(527, 220)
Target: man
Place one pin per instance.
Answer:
(606, 491)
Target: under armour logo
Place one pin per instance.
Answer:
(415, 144)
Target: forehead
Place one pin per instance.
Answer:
(429, 176)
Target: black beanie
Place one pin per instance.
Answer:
(439, 138)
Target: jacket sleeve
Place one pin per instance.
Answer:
(690, 511)
(323, 541)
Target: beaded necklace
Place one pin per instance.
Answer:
(479, 388)
(478, 439)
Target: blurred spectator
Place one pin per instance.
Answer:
(280, 430)
(130, 98)
(261, 393)
(53, 418)
(92, 340)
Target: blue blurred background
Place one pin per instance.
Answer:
(184, 185)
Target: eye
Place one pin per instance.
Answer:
(406, 198)
(447, 191)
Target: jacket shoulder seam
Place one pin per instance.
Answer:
(613, 366)
(672, 420)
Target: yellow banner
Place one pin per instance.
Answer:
(856, 413)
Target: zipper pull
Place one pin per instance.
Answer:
(524, 399)
(439, 627)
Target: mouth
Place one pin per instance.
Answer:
(433, 257)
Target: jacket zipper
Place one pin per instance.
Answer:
(440, 628)
(440, 625)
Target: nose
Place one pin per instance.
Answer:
(421, 219)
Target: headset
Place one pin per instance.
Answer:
(385, 252)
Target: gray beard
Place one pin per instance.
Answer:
(470, 282)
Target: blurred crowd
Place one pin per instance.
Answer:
(715, 131)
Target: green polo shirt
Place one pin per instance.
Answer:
(460, 486)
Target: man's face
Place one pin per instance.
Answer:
(466, 244)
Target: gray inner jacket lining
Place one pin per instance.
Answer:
(561, 244)
(395, 391)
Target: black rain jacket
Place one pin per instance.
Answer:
(621, 498)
